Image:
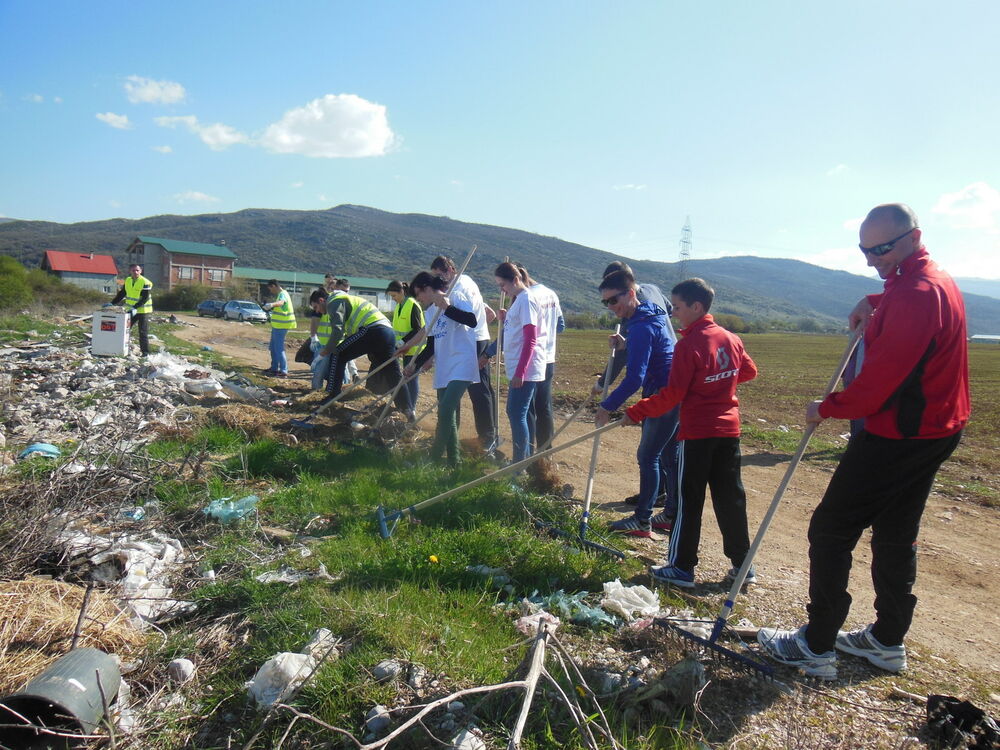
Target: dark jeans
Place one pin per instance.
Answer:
(141, 321)
(656, 435)
(540, 412)
(710, 463)
(414, 385)
(883, 484)
(379, 343)
(482, 397)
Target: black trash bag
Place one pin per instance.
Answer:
(960, 724)
(305, 353)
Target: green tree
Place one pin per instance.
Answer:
(14, 288)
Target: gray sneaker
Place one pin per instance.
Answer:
(790, 647)
(748, 581)
(862, 643)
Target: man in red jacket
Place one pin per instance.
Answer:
(913, 393)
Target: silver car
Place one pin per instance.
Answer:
(241, 310)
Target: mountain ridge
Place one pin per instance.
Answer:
(365, 241)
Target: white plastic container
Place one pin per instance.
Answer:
(110, 334)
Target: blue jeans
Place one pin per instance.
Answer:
(279, 362)
(521, 428)
(413, 387)
(656, 434)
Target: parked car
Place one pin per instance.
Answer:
(240, 309)
(211, 307)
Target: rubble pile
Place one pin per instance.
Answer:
(57, 395)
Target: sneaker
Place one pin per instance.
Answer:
(281, 374)
(790, 647)
(751, 576)
(862, 643)
(661, 500)
(268, 371)
(672, 574)
(662, 522)
(632, 527)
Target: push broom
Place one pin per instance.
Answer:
(307, 422)
(711, 643)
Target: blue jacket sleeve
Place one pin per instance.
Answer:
(638, 346)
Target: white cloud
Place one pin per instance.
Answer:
(456, 183)
(628, 186)
(322, 198)
(116, 121)
(216, 136)
(853, 225)
(837, 170)
(145, 90)
(976, 206)
(34, 98)
(194, 196)
(57, 99)
(297, 184)
(333, 126)
(849, 259)
(114, 203)
(163, 149)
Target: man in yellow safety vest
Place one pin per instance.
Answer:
(351, 327)
(282, 321)
(137, 293)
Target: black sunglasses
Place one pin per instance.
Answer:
(879, 250)
(612, 300)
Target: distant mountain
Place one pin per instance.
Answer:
(985, 287)
(362, 241)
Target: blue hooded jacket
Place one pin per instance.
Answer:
(650, 353)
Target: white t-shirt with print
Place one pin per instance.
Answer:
(524, 311)
(466, 288)
(454, 344)
(549, 312)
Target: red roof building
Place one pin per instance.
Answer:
(87, 270)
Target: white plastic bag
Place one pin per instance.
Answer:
(279, 676)
(629, 601)
(319, 367)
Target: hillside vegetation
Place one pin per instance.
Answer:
(362, 241)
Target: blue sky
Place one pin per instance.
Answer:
(774, 125)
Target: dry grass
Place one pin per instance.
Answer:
(38, 617)
(255, 423)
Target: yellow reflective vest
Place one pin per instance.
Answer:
(133, 288)
(362, 313)
(283, 313)
(401, 323)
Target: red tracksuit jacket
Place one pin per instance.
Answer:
(914, 382)
(708, 363)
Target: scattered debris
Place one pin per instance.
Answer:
(291, 576)
(279, 676)
(180, 670)
(628, 601)
(226, 510)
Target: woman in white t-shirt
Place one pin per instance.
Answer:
(451, 341)
(524, 354)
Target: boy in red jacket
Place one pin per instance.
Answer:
(708, 363)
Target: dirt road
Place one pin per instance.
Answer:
(958, 583)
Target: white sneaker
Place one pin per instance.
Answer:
(862, 643)
(790, 647)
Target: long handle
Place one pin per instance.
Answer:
(588, 493)
(515, 467)
(327, 404)
(741, 576)
(496, 391)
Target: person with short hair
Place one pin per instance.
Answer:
(481, 390)
(137, 293)
(913, 393)
(650, 352)
(451, 343)
(709, 362)
(282, 321)
(407, 322)
(352, 327)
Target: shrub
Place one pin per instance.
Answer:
(731, 322)
(182, 297)
(14, 289)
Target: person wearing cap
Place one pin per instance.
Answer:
(137, 293)
(282, 321)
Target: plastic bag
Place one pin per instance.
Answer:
(319, 367)
(279, 676)
(629, 601)
(225, 510)
(571, 607)
(530, 624)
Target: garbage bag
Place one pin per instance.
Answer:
(319, 367)
(629, 601)
(279, 676)
(960, 723)
(226, 510)
(305, 353)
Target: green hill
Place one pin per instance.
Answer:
(362, 241)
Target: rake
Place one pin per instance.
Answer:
(307, 422)
(721, 622)
(589, 491)
(384, 518)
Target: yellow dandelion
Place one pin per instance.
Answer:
(433, 558)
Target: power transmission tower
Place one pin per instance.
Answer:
(685, 254)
